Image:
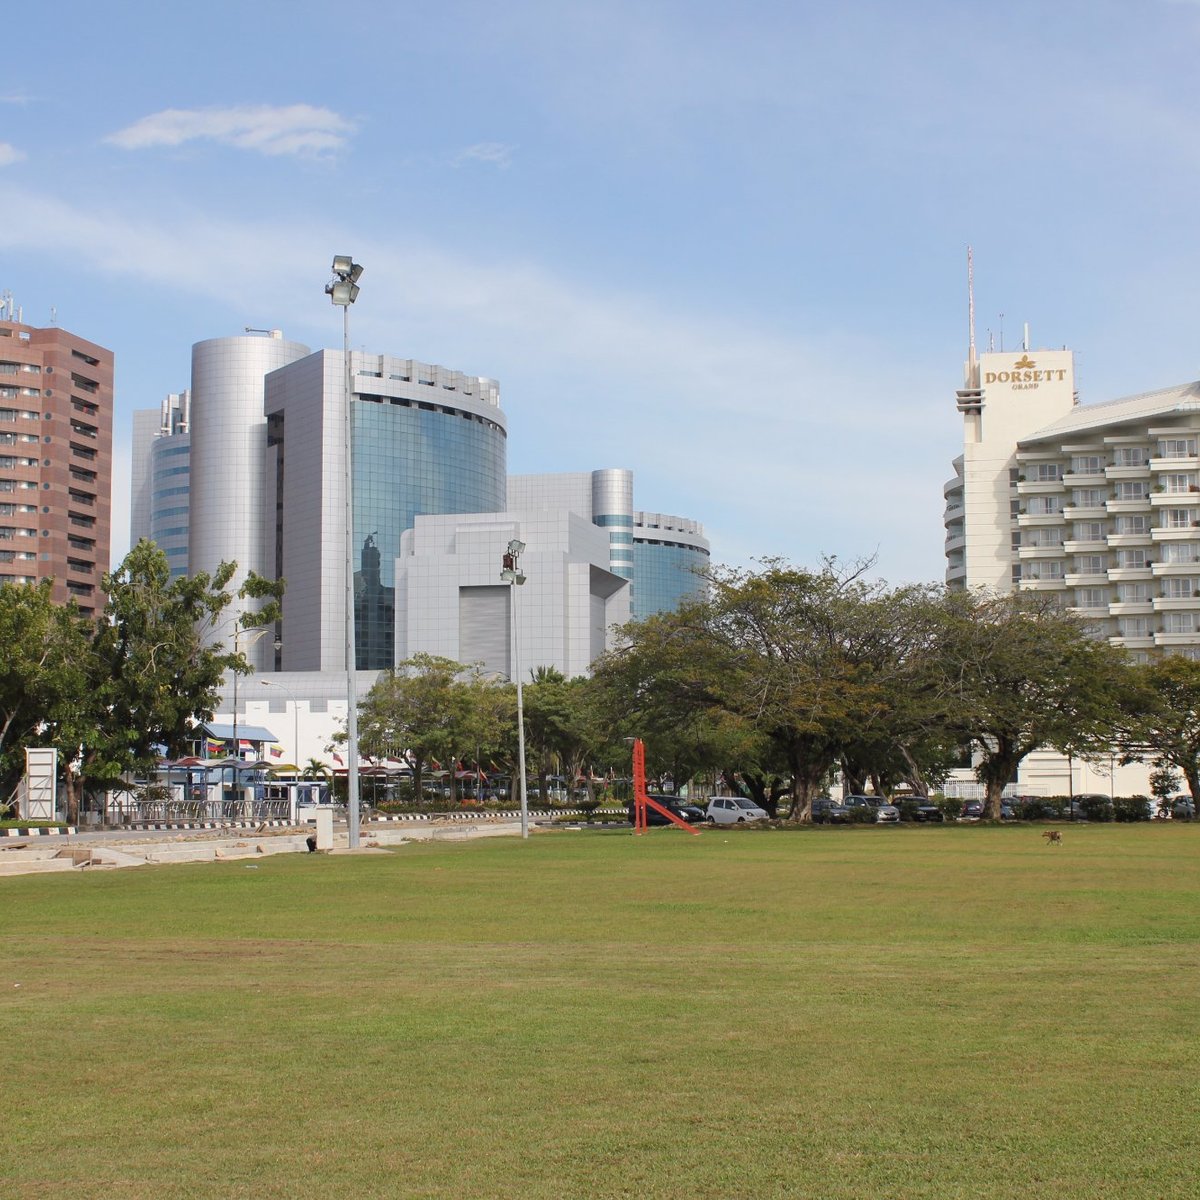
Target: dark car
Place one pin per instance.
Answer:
(826, 811)
(925, 810)
(681, 808)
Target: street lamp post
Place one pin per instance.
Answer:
(295, 716)
(237, 649)
(511, 573)
(343, 290)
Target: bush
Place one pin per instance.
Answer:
(1096, 808)
(1132, 808)
(1038, 808)
(862, 816)
(950, 808)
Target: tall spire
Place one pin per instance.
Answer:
(972, 379)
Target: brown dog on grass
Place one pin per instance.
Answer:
(1053, 837)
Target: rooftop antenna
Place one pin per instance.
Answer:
(53, 315)
(1025, 342)
(1001, 333)
(972, 358)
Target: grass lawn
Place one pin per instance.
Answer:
(858, 1013)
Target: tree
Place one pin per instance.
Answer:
(43, 672)
(1161, 720)
(1022, 675)
(152, 666)
(425, 708)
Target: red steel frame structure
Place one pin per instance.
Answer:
(641, 801)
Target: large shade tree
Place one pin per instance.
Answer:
(1160, 717)
(1021, 674)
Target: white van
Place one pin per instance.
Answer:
(733, 810)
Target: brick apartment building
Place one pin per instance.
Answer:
(56, 407)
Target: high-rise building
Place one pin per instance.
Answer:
(56, 404)
(1098, 505)
(160, 472)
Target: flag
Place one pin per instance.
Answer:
(276, 751)
(243, 744)
(214, 747)
(337, 758)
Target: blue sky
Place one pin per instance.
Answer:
(723, 245)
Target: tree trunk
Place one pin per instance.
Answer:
(72, 786)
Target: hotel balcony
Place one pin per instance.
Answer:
(1131, 608)
(1039, 487)
(1173, 533)
(1130, 574)
(1094, 613)
(1024, 552)
(1044, 585)
(1175, 464)
(1073, 547)
(1079, 479)
(1177, 639)
(955, 541)
(1176, 568)
(1026, 519)
(1141, 471)
(1094, 580)
(1129, 539)
(1074, 513)
(1133, 643)
(1176, 603)
(1135, 505)
(1175, 499)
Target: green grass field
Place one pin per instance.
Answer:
(914, 1012)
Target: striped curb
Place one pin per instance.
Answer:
(18, 833)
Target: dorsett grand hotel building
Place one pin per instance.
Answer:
(1098, 504)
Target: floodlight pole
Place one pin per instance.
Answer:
(343, 291)
(512, 574)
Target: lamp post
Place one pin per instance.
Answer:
(295, 716)
(343, 290)
(237, 649)
(511, 573)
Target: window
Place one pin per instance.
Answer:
(1177, 448)
(1040, 506)
(1132, 489)
(1089, 498)
(1088, 531)
(1093, 597)
(1133, 524)
(1179, 552)
(1177, 518)
(1043, 570)
(1047, 473)
(1179, 622)
(1087, 464)
(1178, 481)
(1133, 593)
(1045, 537)
(1130, 456)
(1134, 627)
(1130, 560)
(1178, 587)
(1089, 564)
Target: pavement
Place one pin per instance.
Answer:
(100, 852)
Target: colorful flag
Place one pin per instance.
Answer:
(243, 744)
(276, 751)
(214, 747)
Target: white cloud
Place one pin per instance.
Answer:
(498, 154)
(10, 154)
(759, 434)
(290, 129)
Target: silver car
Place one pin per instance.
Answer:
(885, 813)
(733, 810)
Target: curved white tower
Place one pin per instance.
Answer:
(228, 454)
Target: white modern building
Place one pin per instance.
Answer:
(1098, 505)
(248, 465)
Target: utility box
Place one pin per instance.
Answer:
(324, 815)
(39, 793)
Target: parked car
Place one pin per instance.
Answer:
(733, 810)
(1183, 808)
(1091, 806)
(691, 813)
(826, 811)
(925, 809)
(972, 810)
(885, 813)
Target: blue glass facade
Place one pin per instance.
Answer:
(411, 458)
(664, 575)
